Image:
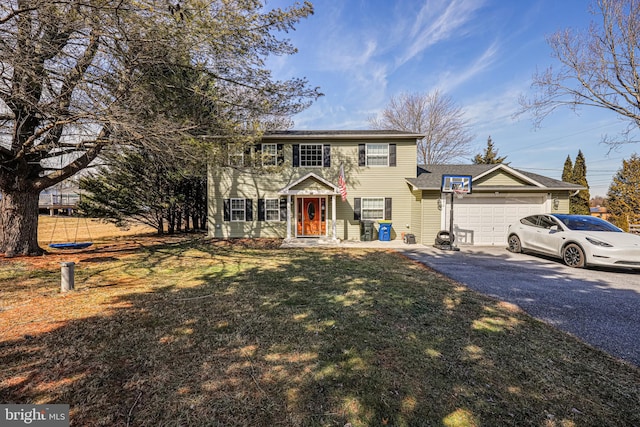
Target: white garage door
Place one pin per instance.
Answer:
(481, 220)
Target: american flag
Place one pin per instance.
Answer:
(342, 183)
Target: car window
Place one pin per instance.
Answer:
(530, 221)
(586, 223)
(546, 222)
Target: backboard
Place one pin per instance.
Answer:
(456, 184)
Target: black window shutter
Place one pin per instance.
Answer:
(362, 155)
(296, 155)
(280, 149)
(387, 208)
(248, 210)
(227, 209)
(283, 209)
(247, 156)
(261, 215)
(326, 156)
(356, 209)
(392, 154)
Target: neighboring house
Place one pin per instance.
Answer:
(287, 186)
(600, 212)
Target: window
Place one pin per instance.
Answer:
(377, 154)
(272, 209)
(238, 209)
(372, 208)
(236, 156)
(546, 222)
(269, 154)
(311, 155)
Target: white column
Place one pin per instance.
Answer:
(333, 216)
(288, 216)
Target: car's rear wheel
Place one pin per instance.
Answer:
(573, 256)
(514, 244)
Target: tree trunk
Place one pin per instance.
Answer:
(19, 224)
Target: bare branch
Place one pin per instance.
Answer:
(598, 67)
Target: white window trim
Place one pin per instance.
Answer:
(232, 210)
(367, 155)
(275, 155)
(321, 156)
(362, 208)
(234, 155)
(276, 210)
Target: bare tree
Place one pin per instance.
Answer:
(598, 68)
(446, 130)
(79, 76)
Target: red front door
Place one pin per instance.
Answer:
(311, 216)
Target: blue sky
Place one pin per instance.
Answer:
(481, 53)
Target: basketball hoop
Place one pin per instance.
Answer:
(457, 185)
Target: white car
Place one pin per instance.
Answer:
(579, 240)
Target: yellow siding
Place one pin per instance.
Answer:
(361, 182)
(431, 216)
(563, 202)
(498, 178)
(416, 215)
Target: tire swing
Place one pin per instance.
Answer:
(70, 244)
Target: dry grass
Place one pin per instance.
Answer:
(58, 229)
(193, 332)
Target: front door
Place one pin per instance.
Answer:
(311, 216)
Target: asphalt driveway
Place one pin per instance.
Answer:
(600, 306)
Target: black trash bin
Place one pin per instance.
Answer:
(366, 231)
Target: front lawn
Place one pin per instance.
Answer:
(195, 332)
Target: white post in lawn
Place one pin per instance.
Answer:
(67, 282)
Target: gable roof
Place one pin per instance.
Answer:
(430, 178)
(330, 188)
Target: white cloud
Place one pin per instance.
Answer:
(452, 79)
(438, 20)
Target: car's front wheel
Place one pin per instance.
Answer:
(573, 256)
(514, 244)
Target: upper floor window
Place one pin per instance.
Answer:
(377, 154)
(311, 155)
(269, 154)
(236, 156)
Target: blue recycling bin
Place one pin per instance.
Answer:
(384, 233)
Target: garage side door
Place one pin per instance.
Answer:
(484, 220)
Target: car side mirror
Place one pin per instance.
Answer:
(554, 228)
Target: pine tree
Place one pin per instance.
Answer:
(489, 157)
(567, 172)
(579, 204)
(623, 197)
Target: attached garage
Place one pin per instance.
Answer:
(483, 220)
(501, 195)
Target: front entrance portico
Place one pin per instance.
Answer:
(308, 214)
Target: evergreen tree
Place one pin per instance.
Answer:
(623, 197)
(138, 186)
(579, 204)
(567, 172)
(490, 156)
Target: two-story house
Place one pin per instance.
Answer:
(288, 186)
